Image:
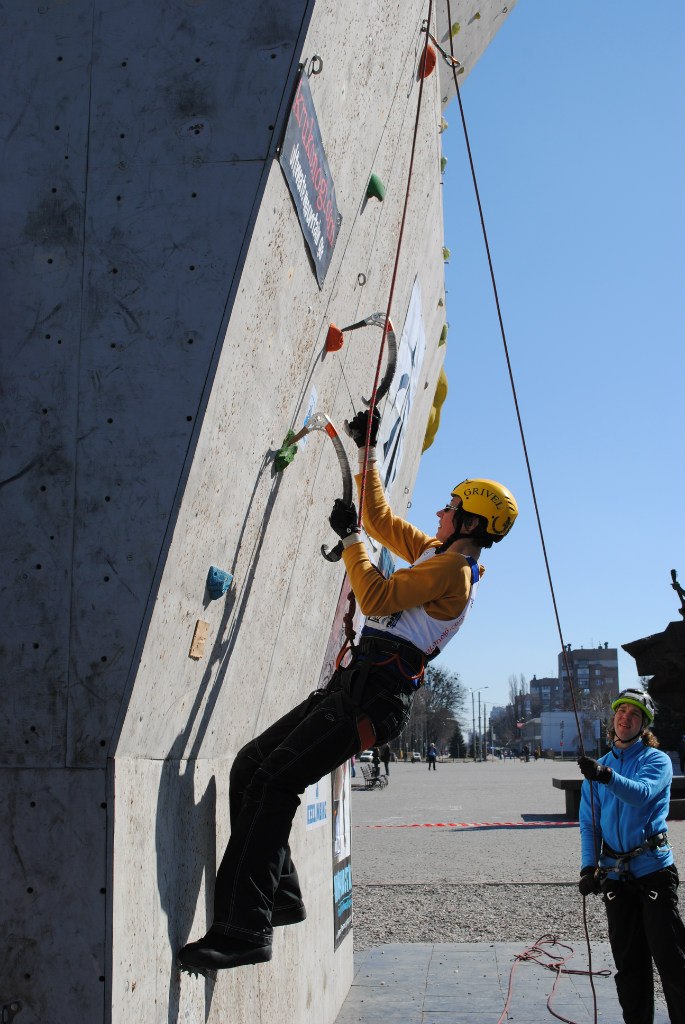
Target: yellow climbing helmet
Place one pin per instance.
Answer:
(490, 500)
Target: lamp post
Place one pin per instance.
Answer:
(473, 715)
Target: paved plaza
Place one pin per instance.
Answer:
(456, 874)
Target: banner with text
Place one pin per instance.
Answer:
(342, 853)
(304, 164)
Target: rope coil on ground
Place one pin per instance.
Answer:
(534, 954)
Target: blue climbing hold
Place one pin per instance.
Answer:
(218, 582)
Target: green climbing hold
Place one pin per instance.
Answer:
(443, 164)
(445, 253)
(286, 453)
(375, 189)
(454, 31)
(443, 335)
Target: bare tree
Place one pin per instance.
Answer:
(435, 707)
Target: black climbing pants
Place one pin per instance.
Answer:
(644, 925)
(268, 775)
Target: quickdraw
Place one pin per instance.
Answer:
(320, 421)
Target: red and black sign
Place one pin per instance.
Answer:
(304, 164)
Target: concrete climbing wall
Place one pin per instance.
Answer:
(163, 329)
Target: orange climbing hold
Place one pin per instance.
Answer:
(334, 339)
(427, 63)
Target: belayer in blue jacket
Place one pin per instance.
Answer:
(626, 855)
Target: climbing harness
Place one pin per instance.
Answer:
(320, 421)
(621, 866)
(409, 661)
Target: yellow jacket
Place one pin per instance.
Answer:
(425, 603)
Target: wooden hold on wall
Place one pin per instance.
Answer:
(197, 647)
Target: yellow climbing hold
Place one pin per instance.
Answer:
(445, 253)
(434, 415)
(454, 31)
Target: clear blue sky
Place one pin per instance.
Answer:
(575, 114)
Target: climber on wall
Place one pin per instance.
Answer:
(409, 619)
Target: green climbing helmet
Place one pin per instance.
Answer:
(639, 699)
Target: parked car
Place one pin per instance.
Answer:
(415, 756)
(366, 755)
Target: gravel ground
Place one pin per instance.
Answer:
(471, 913)
(513, 878)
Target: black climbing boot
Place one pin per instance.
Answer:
(217, 952)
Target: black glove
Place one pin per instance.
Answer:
(588, 884)
(593, 770)
(343, 519)
(358, 426)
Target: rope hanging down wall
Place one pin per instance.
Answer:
(393, 281)
(287, 451)
(454, 64)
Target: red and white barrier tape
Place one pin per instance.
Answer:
(475, 824)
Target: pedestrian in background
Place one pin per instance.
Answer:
(385, 757)
(432, 757)
(376, 759)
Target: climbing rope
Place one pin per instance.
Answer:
(454, 64)
(377, 392)
(393, 282)
(513, 383)
(539, 954)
